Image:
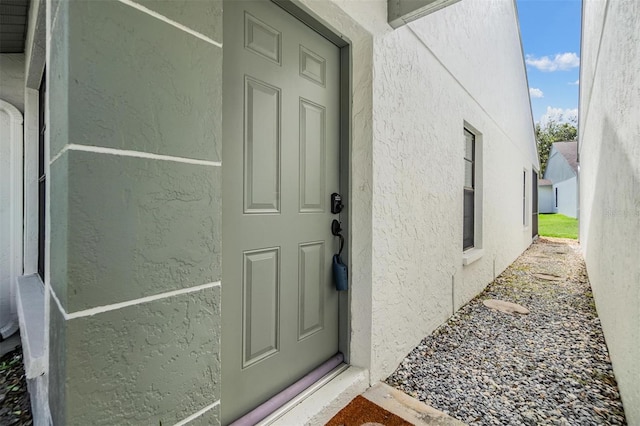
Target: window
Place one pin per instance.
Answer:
(524, 198)
(556, 197)
(42, 178)
(469, 190)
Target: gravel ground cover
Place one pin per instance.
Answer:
(15, 408)
(550, 367)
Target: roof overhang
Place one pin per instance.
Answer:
(13, 25)
(401, 12)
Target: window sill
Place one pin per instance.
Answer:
(471, 255)
(30, 301)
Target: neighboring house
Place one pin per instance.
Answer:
(610, 182)
(562, 171)
(546, 199)
(177, 221)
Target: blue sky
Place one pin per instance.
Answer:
(550, 32)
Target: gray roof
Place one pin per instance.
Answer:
(569, 151)
(544, 182)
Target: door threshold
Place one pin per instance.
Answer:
(303, 395)
(322, 400)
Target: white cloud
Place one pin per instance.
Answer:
(559, 115)
(575, 83)
(561, 61)
(535, 93)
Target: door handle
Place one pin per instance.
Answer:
(340, 275)
(336, 230)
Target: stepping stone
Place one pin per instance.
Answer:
(548, 277)
(406, 407)
(504, 306)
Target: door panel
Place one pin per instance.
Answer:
(261, 302)
(311, 288)
(262, 147)
(312, 157)
(280, 165)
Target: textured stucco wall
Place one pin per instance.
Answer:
(610, 181)
(567, 197)
(12, 79)
(564, 179)
(134, 137)
(546, 201)
(413, 89)
(429, 78)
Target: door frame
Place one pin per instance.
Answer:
(356, 164)
(356, 179)
(344, 148)
(298, 12)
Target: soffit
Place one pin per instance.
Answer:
(401, 12)
(13, 25)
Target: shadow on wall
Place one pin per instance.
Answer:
(612, 254)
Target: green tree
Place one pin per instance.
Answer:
(553, 131)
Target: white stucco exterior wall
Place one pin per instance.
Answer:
(610, 181)
(565, 182)
(459, 66)
(567, 197)
(546, 200)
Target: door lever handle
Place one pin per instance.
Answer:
(339, 268)
(336, 229)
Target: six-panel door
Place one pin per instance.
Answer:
(280, 166)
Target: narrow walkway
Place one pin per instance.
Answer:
(486, 367)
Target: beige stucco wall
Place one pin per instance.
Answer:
(610, 182)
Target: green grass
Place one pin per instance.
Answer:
(557, 225)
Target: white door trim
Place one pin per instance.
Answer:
(356, 180)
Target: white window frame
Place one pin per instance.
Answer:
(476, 252)
(526, 199)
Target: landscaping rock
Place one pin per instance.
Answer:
(15, 408)
(550, 367)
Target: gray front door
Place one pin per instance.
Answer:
(280, 166)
